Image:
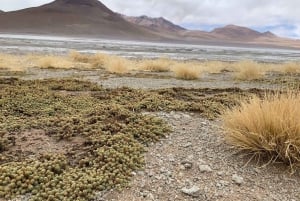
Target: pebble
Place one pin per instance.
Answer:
(194, 191)
(237, 179)
(204, 168)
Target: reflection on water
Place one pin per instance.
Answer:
(59, 45)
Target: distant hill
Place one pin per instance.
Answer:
(239, 33)
(72, 17)
(155, 24)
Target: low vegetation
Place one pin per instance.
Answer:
(248, 70)
(84, 133)
(156, 65)
(267, 127)
(186, 71)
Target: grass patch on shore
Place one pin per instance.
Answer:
(267, 127)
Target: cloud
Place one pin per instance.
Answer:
(281, 16)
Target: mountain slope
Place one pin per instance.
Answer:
(72, 17)
(155, 24)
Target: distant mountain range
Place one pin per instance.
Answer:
(91, 18)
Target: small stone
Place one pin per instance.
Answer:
(194, 191)
(187, 145)
(187, 164)
(237, 179)
(205, 168)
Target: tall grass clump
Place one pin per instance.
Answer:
(186, 71)
(156, 65)
(99, 59)
(79, 57)
(117, 65)
(291, 67)
(52, 61)
(215, 67)
(268, 127)
(248, 70)
(12, 62)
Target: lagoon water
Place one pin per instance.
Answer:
(62, 45)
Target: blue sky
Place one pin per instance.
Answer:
(282, 17)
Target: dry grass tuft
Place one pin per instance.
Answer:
(98, 60)
(51, 61)
(268, 127)
(156, 65)
(215, 66)
(291, 67)
(248, 70)
(12, 62)
(78, 57)
(186, 71)
(118, 65)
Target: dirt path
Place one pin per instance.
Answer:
(194, 163)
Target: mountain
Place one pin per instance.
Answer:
(1, 11)
(91, 18)
(238, 33)
(154, 24)
(73, 17)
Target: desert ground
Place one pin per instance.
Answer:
(95, 126)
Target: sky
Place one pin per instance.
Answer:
(281, 17)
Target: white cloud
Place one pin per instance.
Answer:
(251, 13)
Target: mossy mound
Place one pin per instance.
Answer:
(111, 148)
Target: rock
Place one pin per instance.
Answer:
(237, 179)
(194, 191)
(187, 164)
(187, 145)
(204, 168)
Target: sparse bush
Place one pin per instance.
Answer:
(186, 71)
(248, 70)
(268, 127)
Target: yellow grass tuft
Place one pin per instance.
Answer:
(156, 65)
(78, 57)
(248, 70)
(186, 71)
(98, 60)
(51, 61)
(291, 67)
(12, 62)
(118, 65)
(215, 66)
(268, 127)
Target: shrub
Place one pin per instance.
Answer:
(266, 127)
(186, 72)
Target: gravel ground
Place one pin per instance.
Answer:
(194, 163)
